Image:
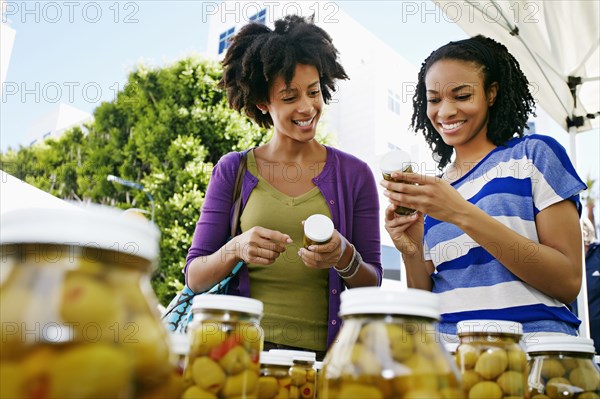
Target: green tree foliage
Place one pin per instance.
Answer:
(165, 129)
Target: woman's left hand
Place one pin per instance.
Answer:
(431, 195)
(326, 255)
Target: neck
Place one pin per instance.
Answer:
(293, 151)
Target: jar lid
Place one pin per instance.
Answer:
(318, 228)
(227, 302)
(375, 300)
(467, 327)
(451, 347)
(394, 161)
(90, 226)
(179, 343)
(555, 343)
(301, 356)
(318, 365)
(276, 358)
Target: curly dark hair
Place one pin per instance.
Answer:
(510, 111)
(258, 54)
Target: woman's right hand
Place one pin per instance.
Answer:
(406, 231)
(259, 245)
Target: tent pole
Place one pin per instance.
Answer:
(582, 298)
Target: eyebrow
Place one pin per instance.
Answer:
(457, 88)
(288, 89)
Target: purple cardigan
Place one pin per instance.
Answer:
(347, 185)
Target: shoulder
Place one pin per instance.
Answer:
(536, 142)
(346, 159)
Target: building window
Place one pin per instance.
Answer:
(394, 102)
(224, 39)
(259, 17)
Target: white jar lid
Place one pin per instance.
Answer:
(467, 327)
(301, 356)
(179, 343)
(375, 300)
(394, 161)
(93, 226)
(318, 228)
(318, 365)
(554, 343)
(227, 302)
(276, 358)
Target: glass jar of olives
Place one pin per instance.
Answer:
(79, 317)
(226, 341)
(274, 380)
(302, 373)
(563, 367)
(388, 347)
(492, 363)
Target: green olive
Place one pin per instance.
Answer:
(207, 374)
(359, 391)
(485, 390)
(492, 363)
(512, 383)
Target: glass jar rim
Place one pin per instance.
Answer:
(232, 303)
(567, 343)
(94, 226)
(300, 356)
(376, 300)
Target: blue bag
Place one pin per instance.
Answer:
(179, 311)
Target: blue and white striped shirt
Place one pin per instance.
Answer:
(512, 184)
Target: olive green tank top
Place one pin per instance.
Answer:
(295, 297)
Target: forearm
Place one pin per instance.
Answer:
(205, 271)
(418, 271)
(365, 274)
(555, 272)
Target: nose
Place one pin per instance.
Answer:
(447, 109)
(306, 105)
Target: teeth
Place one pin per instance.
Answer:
(452, 126)
(304, 123)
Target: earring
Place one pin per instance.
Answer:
(264, 111)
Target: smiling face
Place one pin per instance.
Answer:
(457, 103)
(296, 108)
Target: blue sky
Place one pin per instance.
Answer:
(80, 52)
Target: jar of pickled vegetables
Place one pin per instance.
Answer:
(563, 367)
(388, 347)
(274, 380)
(492, 363)
(226, 342)
(79, 317)
(302, 373)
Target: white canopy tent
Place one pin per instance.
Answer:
(557, 45)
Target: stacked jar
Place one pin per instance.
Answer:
(388, 347)
(302, 373)
(226, 341)
(563, 367)
(274, 380)
(492, 363)
(78, 314)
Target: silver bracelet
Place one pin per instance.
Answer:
(347, 268)
(355, 264)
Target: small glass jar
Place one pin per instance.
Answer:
(492, 363)
(302, 373)
(397, 161)
(318, 230)
(563, 367)
(388, 347)
(78, 314)
(274, 380)
(226, 341)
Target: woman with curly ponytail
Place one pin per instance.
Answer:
(497, 234)
(281, 78)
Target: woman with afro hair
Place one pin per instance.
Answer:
(281, 78)
(497, 234)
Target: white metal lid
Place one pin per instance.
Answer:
(394, 161)
(276, 358)
(301, 356)
(93, 226)
(318, 227)
(375, 300)
(179, 343)
(227, 302)
(467, 327)
(554, 343)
